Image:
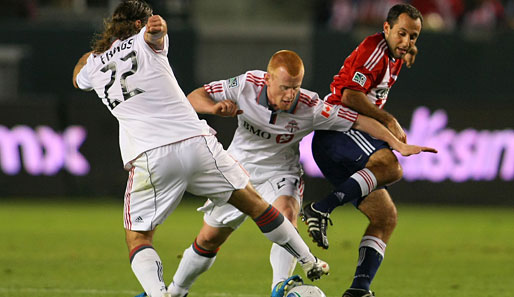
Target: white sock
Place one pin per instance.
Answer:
(282, 263)
(147, 267)
(366, 180)
(280, 230)
(191, 266)
(374, 243)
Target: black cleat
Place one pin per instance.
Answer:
(358, 293)
(316, 224)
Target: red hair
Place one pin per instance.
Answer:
(290, 60)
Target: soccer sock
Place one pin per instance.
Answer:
(195, 261)
(282, 263)
(147, 267)
(279, 230)
(360, 184)
(371, 253)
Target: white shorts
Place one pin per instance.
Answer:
(228, 216)
(159, 177)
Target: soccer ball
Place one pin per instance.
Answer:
(305, 291)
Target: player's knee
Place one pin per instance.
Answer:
(395, 171)
(289, 214)
(387, 172)
(248, 201)
(210, 242)
(137, 238)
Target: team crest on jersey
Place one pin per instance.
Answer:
(292, 126)
(359, 78)
(233, 82)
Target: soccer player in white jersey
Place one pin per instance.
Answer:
(360, 166)
(274, 114)
(165, 147)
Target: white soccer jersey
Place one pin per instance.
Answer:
(138, 86)
(266, 141)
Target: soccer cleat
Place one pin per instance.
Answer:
(316, 224)
(282, 287)
(358, 293)
(142, 295)
(315, 270)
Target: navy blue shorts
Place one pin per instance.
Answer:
(341, 154)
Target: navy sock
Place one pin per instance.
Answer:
(369, 261)
(345, 192)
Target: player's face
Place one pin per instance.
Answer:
(282, 88)
(402, 35)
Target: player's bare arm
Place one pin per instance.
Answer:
(358, 101)
(377, 130)
(203, 103)
(82, 61)
(410, 56)
(156, 29)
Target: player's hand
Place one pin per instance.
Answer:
(226, 108)
(408, 149)
(397, 130)
(156, 25)
(410, 56)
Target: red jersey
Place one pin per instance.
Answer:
(369, 69)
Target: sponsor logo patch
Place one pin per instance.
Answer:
(382, 93)
(233, 82)
(284, 138)
(359, 78)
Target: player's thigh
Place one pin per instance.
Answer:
(214, 173)
(227, 215)
(385, 166)
(379, 207)
(340, 154)
(284, 192)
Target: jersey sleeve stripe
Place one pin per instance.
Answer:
(257, 83)
(346, 117)
(376, 55)
(255, 77)
(348, 113)
(377, 58)
(211, 89)
(375, 52)
(304, 98)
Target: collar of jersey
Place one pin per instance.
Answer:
(263, 100)
(388, 51)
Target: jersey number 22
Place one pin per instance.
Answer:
(112, 103)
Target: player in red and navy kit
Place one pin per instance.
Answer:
(358, 165)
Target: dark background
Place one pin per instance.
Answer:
(470, 79)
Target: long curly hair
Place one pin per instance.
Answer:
(121, 24)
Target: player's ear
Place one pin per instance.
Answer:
(387, 28)
(267, 78)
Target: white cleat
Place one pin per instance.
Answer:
(316, 269)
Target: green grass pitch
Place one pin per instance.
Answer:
(60, 248)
